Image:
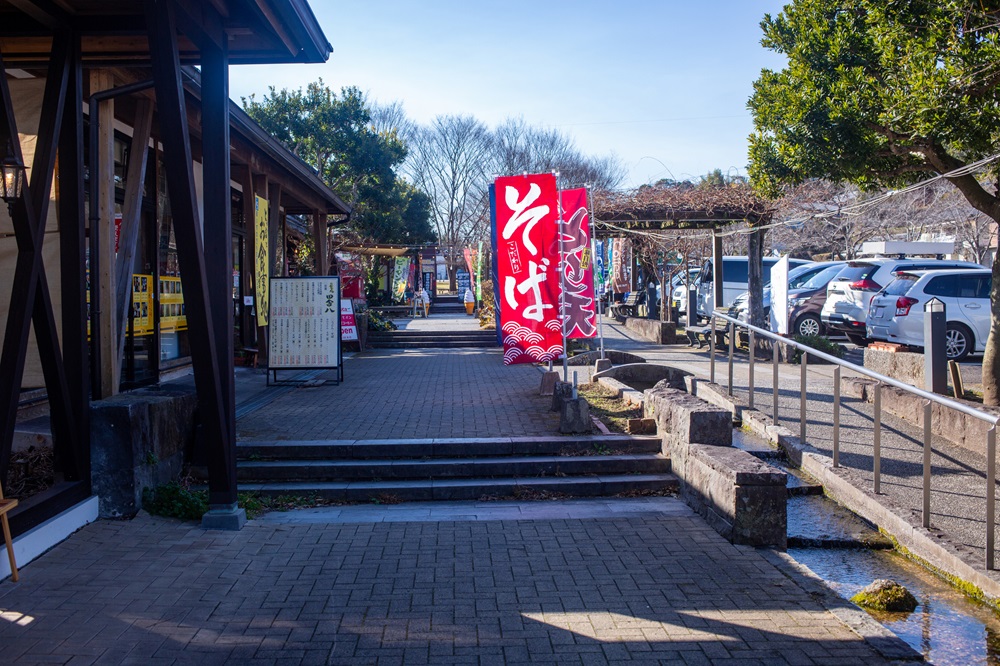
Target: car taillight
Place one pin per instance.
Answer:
(865, 285)
(903, 305)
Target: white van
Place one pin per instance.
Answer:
(734, 280)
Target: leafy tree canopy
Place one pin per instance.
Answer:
(336, 136)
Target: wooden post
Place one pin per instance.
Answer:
(110, 368)
(319, 232)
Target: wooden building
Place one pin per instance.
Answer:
(133, 245)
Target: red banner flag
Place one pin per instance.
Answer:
(527, 268)
(578, 298)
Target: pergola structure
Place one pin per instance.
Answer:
(64, 37)
(689, 208)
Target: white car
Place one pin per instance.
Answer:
(734, 280)
(681, 281)
(897, 312)
(850, 293)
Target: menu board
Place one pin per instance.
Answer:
(304, 323)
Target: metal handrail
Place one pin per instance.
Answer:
(881, 380)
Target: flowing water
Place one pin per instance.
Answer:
(948, 627)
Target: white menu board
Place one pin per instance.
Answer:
(304, 326)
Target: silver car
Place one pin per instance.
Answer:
(897, 312)
(850, 293)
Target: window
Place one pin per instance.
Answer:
(946, 286)
(900, 285)
(974, 286)
(734, 271)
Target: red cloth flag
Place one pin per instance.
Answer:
(527, 268)
(578, 298)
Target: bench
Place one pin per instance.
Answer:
(5, 506)
(394, 309)
(249, 356)
(628, 307)
(700, 335)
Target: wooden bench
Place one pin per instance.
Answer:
(390, 310)
(5, 506)
(249, 356)
(628, 307)
(700, 335)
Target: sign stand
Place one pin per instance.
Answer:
(305, 327)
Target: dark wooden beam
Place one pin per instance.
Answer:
(218, 233)
(46, 12)
(180, 180)
(30, 301)
(73, 264)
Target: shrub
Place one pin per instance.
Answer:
(819, 343)
(175, 501)
(487, 307)
(379, 322)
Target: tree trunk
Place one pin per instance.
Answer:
(991, 357)
(755, 285)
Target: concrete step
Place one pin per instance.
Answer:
(404, 333)
(446, 344)
(395, 449)
(450, 468)
(471, 489)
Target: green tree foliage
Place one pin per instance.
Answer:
(336, 136)
(881, 93)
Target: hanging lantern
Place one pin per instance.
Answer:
(11, 178)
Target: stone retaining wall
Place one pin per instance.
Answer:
(653, 330)
(743, 498)
(139, 439)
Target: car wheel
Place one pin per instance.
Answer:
(958, 342)
(808, 325)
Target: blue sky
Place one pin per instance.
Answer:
(661, 83)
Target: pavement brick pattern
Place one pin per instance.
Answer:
(637, 589)
(411, 394)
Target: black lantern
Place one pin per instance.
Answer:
(11, 178)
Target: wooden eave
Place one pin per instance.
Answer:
(114, 31)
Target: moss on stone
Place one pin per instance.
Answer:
(886, 595)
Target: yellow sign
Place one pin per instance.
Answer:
(172, 317)
(261, 259)
(142, 304)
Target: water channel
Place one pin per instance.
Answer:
(948, 627)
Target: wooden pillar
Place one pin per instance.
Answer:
(104, 279)
(214, 392)
(72, 255)
(322, 246)
(218, 235)
(276, 222)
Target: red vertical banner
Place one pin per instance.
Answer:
(578, 299)
(527, 268)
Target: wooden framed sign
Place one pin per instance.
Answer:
(304, 324)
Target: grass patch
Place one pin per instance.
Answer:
(604, 404)
(179, 500)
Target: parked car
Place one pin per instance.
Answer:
(849, 295)
(806, 302)
(798, 277)
(897, 312)
(681, 281)
(734, 280)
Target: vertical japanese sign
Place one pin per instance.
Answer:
(261, 259)
(527, 255)
(619, 280)
(578, 297)
(399, 278)
(348, 322)
(305, 323)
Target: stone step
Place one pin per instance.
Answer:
(404, 333)
(450, 468)
(470, 489)
(382, 449)
(439, 344)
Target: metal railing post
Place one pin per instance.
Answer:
(752, 350)
(802, 396)
(732, 348)
(927, 464)
(836, 416)
(711, 349)
(774, 381)
(877, 454)
(991, 480)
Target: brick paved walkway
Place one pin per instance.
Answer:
(647, 586)
(421, 393)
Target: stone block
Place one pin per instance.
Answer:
(742, 497)
(139, 439)
(642, 426)
(548, 384)
(660, 332)
(575, 416)
(905, 366)
(602, 364)
(228, 517)
(685, 418)
(561, 392)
